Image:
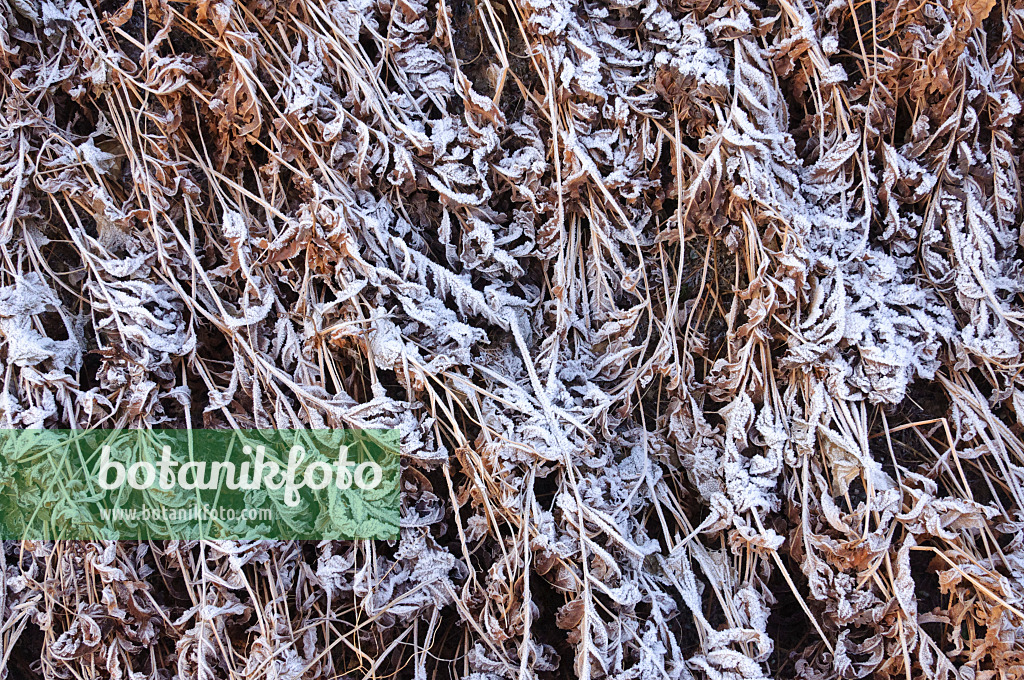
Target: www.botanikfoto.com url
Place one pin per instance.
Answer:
(187, 514)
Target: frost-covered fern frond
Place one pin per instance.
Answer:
(700, 321)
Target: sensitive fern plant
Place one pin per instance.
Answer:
(700, 322)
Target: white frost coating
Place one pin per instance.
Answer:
(700, 323)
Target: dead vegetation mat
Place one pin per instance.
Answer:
(701, 321)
